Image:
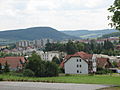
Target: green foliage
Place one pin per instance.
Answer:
(0, 68)
(35, 34)
(114, 64)
(71, 48)
(41, 68)
(83, 79)
(92, 47)
(103, 71)
(2, 54)
(115, 34)
(115, 18)
(6, 68)
(56, 60)
(28, 73)
(51, 69)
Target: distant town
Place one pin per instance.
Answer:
(73, 56)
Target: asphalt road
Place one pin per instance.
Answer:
(47, 86)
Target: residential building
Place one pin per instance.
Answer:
(103, 63)
(15, 63)
(48, 56)
(23, 43)
(79, 63)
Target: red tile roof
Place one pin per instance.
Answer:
(14, 62)
(81, 54)
(102, 62)
(62, 64)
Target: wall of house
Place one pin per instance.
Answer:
(75, 66)
(48, 56)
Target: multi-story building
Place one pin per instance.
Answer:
(48, 56)
(41, 43)
(23, 43)
(80, 63)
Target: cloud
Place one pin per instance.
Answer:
(59, 14)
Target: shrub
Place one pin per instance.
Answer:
(28, 73)
(103, 71)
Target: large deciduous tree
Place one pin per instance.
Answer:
(39, 68)
(115, 18)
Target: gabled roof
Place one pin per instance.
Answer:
(102, 62)
(83, 55)
(13, 61)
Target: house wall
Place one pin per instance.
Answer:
(48, 56)
(71, 66)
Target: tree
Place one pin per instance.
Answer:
(28, 73)
(115, 18)
(36, 65)
(6, 68)
(0, 68)
(51, 69)
(40, 68)
(56, 60)
(71, 48)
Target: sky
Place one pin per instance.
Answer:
(58, 14)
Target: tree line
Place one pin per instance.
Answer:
(92, 47)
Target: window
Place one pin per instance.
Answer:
(80, 72)
(80, 65)
(77, 60)
(77, 65)
(77, 71)
(80, 60)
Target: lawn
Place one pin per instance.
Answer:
(82, 79)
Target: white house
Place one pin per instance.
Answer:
(48, 56)
(80, 63)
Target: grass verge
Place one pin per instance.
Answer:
(81, 79)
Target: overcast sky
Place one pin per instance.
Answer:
(59, 14)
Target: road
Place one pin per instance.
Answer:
(47, 86)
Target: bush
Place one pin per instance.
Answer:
(103, 71)
(67, 74)
(51, 69)
(28, 73)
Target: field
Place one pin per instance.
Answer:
(82, 79)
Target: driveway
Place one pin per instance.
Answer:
(47, 86)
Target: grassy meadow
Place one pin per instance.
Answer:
(80, 79)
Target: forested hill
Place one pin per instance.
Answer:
(89, 33)
(34, 33)
(115, 34)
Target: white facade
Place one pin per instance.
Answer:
(76, 65)
(48, 56)
(94, 64)
(23, 44)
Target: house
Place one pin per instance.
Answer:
(79, 63)
(103, 63)
(48, 56)
(15, 63)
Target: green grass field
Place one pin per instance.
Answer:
(82, 79)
